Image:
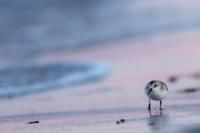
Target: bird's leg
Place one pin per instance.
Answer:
(149, 107)
(160, 112)
(161, 106)
(150, 115)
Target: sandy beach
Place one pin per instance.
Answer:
(81, 66)
(96, 107)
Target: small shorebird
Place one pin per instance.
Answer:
(156, 90)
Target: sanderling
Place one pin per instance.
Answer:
(156, 90)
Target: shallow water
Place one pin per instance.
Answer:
(26, 79)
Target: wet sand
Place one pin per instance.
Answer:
(96, 107)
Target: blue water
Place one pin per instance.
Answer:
(30, 27)
(28, 79)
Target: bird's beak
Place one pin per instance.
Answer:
(150, 91)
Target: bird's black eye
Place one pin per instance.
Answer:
(155, 86)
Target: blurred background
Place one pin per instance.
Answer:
(29, 28)
(42, 42)
(102, 53)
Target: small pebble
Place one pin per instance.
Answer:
(196, 75)
(122, 120)
(117, 122)
(190, 90)
(173, 79)
(33, 122)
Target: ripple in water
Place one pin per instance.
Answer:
(21, 80)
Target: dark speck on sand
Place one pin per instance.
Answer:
(172, 79)
(120, 121)
(117, 122)
(33, 122)
(191, 90)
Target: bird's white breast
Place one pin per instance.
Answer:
(158, 94)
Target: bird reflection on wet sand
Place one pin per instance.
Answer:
(158, 121)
